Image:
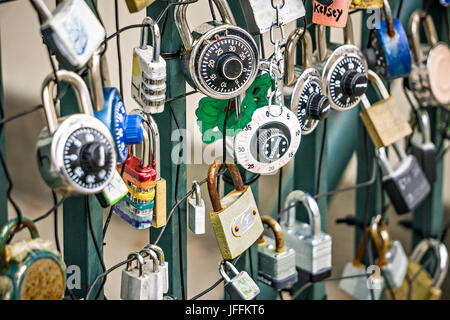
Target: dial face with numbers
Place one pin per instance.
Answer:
(89, 158)
(225, 62)
(269, 141)
(307, 123)
(119, 131)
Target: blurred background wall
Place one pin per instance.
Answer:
(25, 64)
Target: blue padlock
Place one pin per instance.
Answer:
(109, 108)
(30, 269)
(388, 51)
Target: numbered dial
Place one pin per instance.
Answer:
(119, 132)
(226, 62)
(347, 82)
(312, 106)
(89, 158)
(269, 141)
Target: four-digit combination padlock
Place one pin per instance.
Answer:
(425, 286)
(276, 262)
(241, 286)
(155, 276)
(303, 85)
(235, 218)
(270, 140)
(388, 51)
(422, 147)
(138, 5)
(358, 281)
(163, 265)
(134, 283)
(344, 70)
(384, 119)
(220, 59)
(429, 79)
(197, 211)
(260, 16)
(333, 14)
(366, 4)
(29, 269)
(393, 261)
(72, 32)
(148, 83)
(405, 183)
(312, 246)
(75, 153)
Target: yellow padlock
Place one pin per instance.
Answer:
(138, 5)
(141, 194)
(366, 4)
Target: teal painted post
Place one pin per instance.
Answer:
(79, 249)
(3, 183)
(170, 241)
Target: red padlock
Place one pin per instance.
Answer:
(335, 15)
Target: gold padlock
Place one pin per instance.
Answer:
(366, 4)
(138, 5)
(383, 120)
(423, 286)
(235, 218)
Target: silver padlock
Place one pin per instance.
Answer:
(72, 32)
(155, 276)
(276, 262)
(135, 285)
(311, 245)
(148, 83)
(260, 16)
(241, 286)
(163, 265)
(197, 214)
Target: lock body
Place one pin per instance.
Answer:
(259, 16)
(276, 269)
(73, 33)
(426, 155)
(138, 5)
(114, 191)
(360, 288)
(242, 287)
(366, 4)
(397, 266)
(197, 216)
(134, 286)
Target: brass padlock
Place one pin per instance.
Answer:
(383, 120)
(424, 287)
(138, 5)
(366, 4)
(235, 218)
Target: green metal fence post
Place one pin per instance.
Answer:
(171, 242)
(3, 183)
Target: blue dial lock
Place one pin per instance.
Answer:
(125, 129)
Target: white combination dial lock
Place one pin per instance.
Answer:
(269, 141)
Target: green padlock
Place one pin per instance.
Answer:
(30, 269)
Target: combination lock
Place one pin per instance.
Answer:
(344, 71)
(269, 141)
(220, 59)
(303, 85)
(75, 153)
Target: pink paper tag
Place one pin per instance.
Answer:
(335, 15)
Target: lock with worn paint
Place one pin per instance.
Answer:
(384, 119)
(358, 281)
(405, 183)
(155, 276)
(388, 51)
(393, 259)
(344, 70)
(235, 218)
(138, 5)
(260, 16)
(75, 153)
(303, 85)
(220, 59)
(312, 246)
(429, 79)
(163, 265)
(422, 147)
(29, 269)
(113, 192)
(425, 286)
(134, 282)
(276, 262)
(72, 32)
(148, 83)
(241, 286)
(332, 15)
(197, 211)
(109, 109)
(366, 4)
